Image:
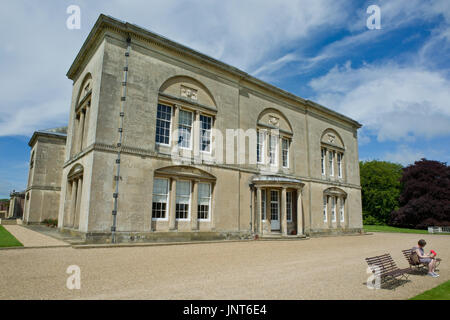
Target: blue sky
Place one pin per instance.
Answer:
(395, 80)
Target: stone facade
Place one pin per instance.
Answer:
(144, 151)
(44, 177)
(16, 204)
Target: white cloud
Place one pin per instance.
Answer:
(37, 48)
(404, 155)
(392, 102)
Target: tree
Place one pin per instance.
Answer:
(425, 199)
(380, 183)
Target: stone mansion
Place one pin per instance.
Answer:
(146, 155)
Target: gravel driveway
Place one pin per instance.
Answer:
(319, 268)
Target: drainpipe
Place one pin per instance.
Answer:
(252, 189)
(119, 143)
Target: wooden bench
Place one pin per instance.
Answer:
(388, 270)
(418, 266)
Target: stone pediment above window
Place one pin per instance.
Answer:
(188, 90)
(85, 89)
(333, 191)
(75, 172)
(332, 138)
(184, 172)
(273, 119)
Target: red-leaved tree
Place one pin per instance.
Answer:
(425, 197)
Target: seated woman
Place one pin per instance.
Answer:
(429, 259)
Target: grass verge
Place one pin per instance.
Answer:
(7, 239)
(441, 292)
(371, 228)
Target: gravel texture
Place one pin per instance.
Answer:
(319, 268)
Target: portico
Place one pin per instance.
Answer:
(278, 206)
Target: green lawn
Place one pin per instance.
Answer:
(370, 228)
(441, 292)
(7, 239)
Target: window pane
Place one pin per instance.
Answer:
(260, 147)
(183, 189)
(160, 195)
(163, 117)
(205, 133)
(285, 148)
(204, 190)
(273, 149)
(185, 129)
(160, 186)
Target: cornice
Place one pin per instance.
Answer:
(126, 29)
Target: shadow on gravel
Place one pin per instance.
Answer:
(392, 285)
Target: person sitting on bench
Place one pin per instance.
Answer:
(428, 259)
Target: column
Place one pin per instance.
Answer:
(172, 207)
(86, 126)
(196, 136)
(78, 204)
(73, 203)
(194, 209)
(213, 206)
(258, 210)
(80, 132)
(12, 202)
(299, 212)
(283, 212)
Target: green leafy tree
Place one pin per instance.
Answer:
(381, 187)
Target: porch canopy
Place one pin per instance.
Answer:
(277, 183)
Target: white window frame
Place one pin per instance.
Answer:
(333, 209)
(331, 162)
(261, 138)
(325, 208)
(185, 127)
(209, 131)
(342, 210)
(264, 205)
(209, 202)
(289, 206)
(277, 202)
(339, 163)
(273, 150)
(167, 200)
(170, 124)
(323, 160)
(283, 150)
(190, 201)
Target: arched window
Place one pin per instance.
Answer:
(81, 117)
(187, 109)
(182, 193)
(334, 206)
(73, 195)
(274, 138)
(332, 151)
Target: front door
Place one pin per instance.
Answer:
(275, 210)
